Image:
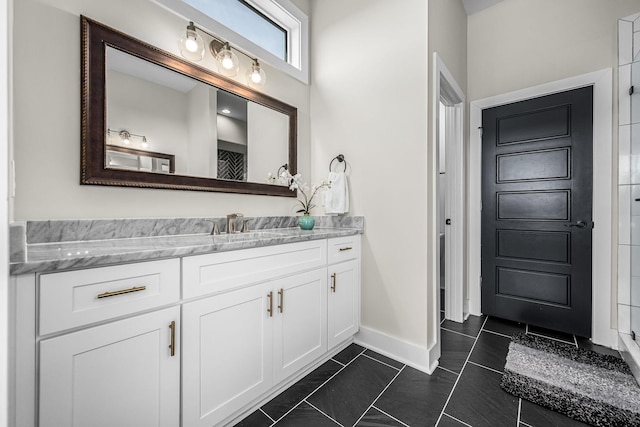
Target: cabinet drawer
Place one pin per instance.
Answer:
(343, 248)
(75, 298)
(219, 272)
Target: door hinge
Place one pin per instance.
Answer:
(593, 224)
(481, 130)
(633, 335)
(631, 89)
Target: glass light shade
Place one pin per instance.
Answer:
(256, 76)
(228, 63)
(191, 44)
(125, 136)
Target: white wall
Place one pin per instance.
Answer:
(47, 116)
(266, 129)
(201, 135)
(369, 102)
(144, 108)
(232, 130)
(5, 135)
(522, 43)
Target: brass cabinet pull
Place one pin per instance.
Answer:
(122, 292)
(172, 344)
(333, 282)
(346, 248)
(281, 304)
(270, 309)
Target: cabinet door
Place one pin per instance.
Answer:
(227, 357)
(300, 321)
(343, 301)
(118, 374)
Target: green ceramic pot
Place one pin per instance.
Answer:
(306, 222)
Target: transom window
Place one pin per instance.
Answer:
(275, 31)
(245, 19)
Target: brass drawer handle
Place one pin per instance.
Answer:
(122, 292)
(333, 282)
(281, 295)
(172, 344)
(270, 309)
(346, 248)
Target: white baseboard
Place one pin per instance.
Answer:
(630, 353)
(417, 357)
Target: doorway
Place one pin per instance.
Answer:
(601, 81)
(450, 192)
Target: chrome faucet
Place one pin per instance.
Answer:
(232, 219)
(215, 230)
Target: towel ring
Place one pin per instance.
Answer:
(340, 159)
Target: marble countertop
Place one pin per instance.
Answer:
(52, 256)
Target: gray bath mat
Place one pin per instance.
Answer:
(590, 387)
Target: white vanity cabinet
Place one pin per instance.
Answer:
(238, 344)
(193, 342)
(344, 289)
(120, 373)
(227, 354)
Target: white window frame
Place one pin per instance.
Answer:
(283, 12)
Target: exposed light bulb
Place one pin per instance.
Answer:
(191, 44)
(256, 76)
(145, 144)
(227, 61)
(124, 135)
(226, 111)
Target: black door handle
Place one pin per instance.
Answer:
(579, 224)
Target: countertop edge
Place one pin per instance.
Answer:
(122, 257)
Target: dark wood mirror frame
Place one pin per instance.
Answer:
(95, 38)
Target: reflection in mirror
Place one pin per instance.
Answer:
(207, 130)
(151, 119)
(140, 160)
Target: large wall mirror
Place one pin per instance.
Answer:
(152, 119)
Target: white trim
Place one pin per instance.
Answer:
(602, 82)
(410, 354)
(630, 353)
(5, 132)
(284, 12)
(445, 87)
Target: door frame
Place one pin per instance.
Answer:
(603, 194)
(447, 89)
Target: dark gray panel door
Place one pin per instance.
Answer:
(537, 166)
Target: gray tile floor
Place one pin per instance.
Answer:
(359, 387)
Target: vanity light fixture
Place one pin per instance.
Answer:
(192, 47)
(126, 137)
(191, 44)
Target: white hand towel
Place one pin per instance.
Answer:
(336, 199)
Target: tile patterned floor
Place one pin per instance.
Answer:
(359, 387)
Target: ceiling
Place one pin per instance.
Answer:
(474, 6)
